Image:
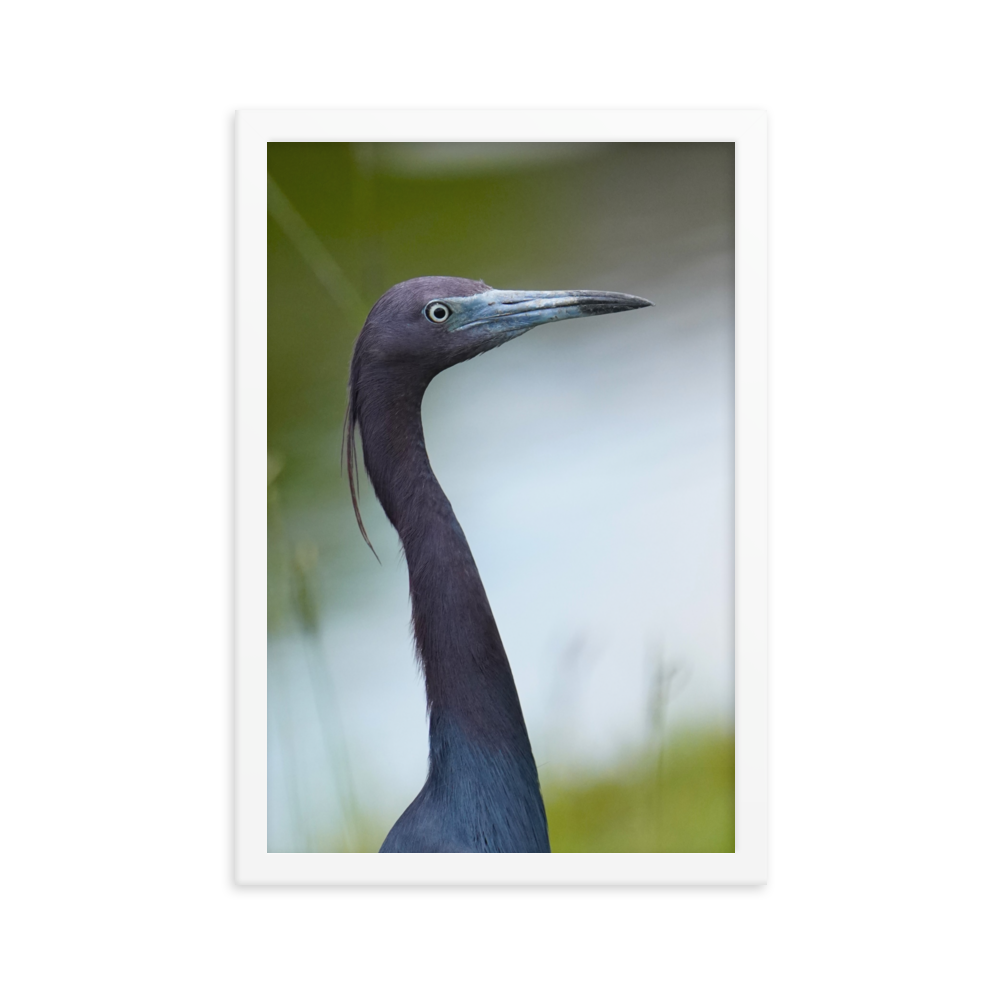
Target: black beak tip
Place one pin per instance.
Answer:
(629, 302)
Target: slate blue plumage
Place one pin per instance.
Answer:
(481, 794)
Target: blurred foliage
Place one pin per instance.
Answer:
(678, 798)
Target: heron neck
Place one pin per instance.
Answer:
(468, 678)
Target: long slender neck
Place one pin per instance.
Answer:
(467, 675)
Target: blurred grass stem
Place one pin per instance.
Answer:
(315, 253)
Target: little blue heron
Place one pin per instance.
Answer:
(481, 794)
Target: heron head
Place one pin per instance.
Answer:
(430, 324)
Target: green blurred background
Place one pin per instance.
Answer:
(591, 465)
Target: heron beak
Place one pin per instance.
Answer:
(499, 315)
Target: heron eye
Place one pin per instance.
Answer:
(437, 312)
